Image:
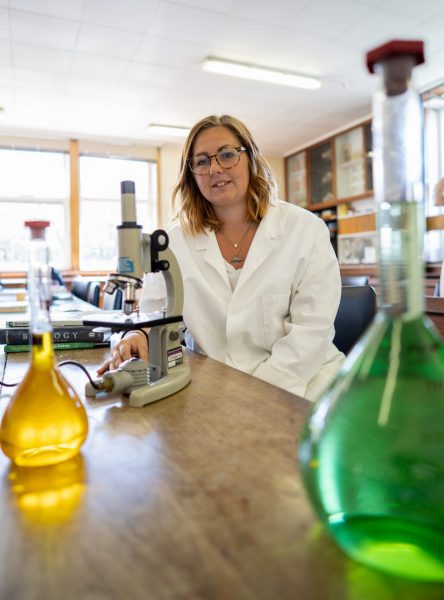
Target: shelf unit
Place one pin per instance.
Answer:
(331, 178)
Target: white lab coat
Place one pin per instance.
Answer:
(277, 324)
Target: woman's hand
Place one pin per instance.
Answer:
(133, 344)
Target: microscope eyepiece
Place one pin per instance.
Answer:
(127, 187)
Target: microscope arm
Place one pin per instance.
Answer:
(157, 256)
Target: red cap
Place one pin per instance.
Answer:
(37, 228)
(413, 48)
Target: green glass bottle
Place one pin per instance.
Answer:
(372, 452)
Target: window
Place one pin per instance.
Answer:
(33, 184)
(434, 159)
(100, 213)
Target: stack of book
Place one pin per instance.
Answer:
(67, 335)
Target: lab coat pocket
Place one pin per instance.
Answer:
(275, 311)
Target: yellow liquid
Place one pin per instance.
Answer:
(45, 422)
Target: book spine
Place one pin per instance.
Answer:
(9, 348)
(60, 334)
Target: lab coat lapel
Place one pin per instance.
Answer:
(265, 239)
(206, 243)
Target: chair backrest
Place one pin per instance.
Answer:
(93, 296)
(354, 279)
(112, 301)
(80, 288)
(356, 311)
(57, 276)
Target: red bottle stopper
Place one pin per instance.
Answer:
(394, 48)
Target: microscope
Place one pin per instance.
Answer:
(141, 253)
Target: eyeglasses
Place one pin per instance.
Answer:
(227, 158)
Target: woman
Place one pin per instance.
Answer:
(261, 281)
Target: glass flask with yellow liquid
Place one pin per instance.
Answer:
(372, 452)
(45, 422)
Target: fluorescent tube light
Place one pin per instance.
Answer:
(247, 71)
(170, 130)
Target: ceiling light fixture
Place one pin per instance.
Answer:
(248, 71)
(169, 130)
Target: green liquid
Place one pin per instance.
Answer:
(372, 453)
(396, 546)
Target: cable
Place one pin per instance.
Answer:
(76, 364)
(9, 384)
(60, 364)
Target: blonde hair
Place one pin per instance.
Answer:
(193, 211)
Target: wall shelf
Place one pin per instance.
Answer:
(333, 172)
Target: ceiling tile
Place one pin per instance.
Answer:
(170, 19)
(5, 54)
(292, 50)
(169, 52)
(26, 56)
(107, 41)
(43, 31)
(328, 18)
(377, 27)
(83, 88)
(433, 35)
(370, 2)
(132, 15)
(124, 63)
(278, 12)
(68, 9)
(424, 9)
(4, 24)
(330, 58)
(437, 20)
(6, 76)
(36, 81)
(243, 36)
(102, 67)
(213, 5)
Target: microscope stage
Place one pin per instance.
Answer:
(118, 321)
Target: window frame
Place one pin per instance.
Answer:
(74, 148)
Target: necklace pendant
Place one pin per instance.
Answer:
(236, 245)
(236, 260)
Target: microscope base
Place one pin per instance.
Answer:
(176, 379)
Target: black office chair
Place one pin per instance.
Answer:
(356, 311)
(113, 301)
(57, 276)
(80, 288)
(93, 295)
(354, 279)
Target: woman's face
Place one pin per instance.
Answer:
(222, 187)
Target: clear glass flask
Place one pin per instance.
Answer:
(45, 422)
(372, 452)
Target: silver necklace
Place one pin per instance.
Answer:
(237, 246)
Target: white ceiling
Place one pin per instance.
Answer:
(105, 69)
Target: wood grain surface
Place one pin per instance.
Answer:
(197, 496)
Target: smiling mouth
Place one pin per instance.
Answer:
(220, 184)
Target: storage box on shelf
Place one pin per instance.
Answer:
(357, 240)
